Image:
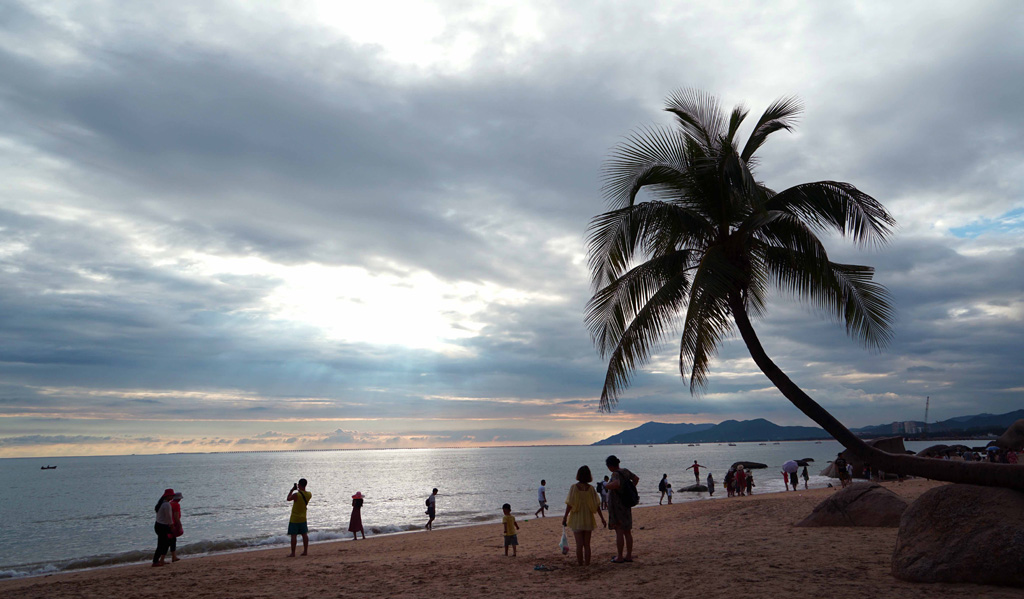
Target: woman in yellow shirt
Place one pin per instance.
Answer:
(580, 506)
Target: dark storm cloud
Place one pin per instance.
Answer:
(131, 144)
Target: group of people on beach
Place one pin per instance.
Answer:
(584, 505)
(616, 494)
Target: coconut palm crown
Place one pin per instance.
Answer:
(709, 242)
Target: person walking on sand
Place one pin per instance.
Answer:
(431, 509)
(696, 470)
(509, 526)
(711, 485)
(581, 504)
(542, 499)
(620, 509)
(299, 497)
(663, 487)
(805, 476)
(176, 528)
(355, 521)
(164, 522)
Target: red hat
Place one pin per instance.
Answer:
(168, 493)
(358, 495)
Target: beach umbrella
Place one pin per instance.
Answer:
(993, 448)
(790, 466)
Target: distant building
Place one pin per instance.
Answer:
(910, 427)
(897, 427)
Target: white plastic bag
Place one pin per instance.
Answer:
(564, 543)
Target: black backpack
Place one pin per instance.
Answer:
(627, 490)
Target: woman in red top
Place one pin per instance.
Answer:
(176, 529)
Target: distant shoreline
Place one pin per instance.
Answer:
(683, 443)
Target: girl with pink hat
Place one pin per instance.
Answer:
(355, 523)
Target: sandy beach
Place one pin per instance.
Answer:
(740, 547)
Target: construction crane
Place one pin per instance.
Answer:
(927, 400)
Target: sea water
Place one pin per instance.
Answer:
(98, 511)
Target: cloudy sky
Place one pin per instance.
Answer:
(231, 225)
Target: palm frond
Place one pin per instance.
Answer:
(846, 292)
(837, 206)
(699, 115)
(707, 316)
(739, 113)
(781, 114)
(647, 328)
(615, 238)
(649, 156)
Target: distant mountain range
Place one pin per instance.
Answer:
(977, 424)
(764, 430)
(653, 432)
(751, 430)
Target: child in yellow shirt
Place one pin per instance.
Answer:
(509, 528)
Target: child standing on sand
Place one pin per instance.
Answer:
(509, 527)
(668, 491)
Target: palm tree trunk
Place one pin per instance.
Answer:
(972, 473)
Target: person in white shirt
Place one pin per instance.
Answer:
(542, 499)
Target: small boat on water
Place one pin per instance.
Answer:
(47, 467)
(689, 444)
(732, 445)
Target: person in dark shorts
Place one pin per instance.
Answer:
(299, 497)
(431, 509)
(620, 515)
(509, 527)
(696, 470)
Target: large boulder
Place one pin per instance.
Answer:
(693, 489)
(962, 533)
(1013, 438)
(860, 504)
(750, 465)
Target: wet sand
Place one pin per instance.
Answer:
(739, 547)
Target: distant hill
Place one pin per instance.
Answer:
(652, 432)
(751, 430)
(764, 430)
(977, 424)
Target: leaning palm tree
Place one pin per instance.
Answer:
(709, 242)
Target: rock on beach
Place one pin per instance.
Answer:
(865, 504)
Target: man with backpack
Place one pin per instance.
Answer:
(663, 488)
(622, 497)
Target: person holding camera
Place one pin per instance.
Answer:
(299, 497)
